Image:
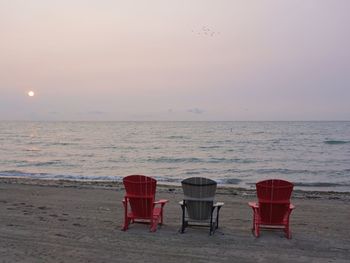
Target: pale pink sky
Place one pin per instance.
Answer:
(175, 60)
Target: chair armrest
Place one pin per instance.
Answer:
(291, 206)
(218, 204)
(253, 204)
(161, 202)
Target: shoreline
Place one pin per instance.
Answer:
(298, 186)
(164, 187)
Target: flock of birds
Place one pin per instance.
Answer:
(206, 31)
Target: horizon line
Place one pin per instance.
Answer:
(174, 120)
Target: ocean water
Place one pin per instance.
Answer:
(313, 155)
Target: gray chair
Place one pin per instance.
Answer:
(198, 207)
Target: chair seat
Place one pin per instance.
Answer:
(157, 211)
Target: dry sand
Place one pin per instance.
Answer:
(46, 221)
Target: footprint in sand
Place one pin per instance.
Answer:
(53, 215)
(60, 235)
(12, 225)
(43, 208)
(25, 212)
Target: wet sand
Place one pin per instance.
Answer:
(62, 221)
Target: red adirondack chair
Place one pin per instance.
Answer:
(274, 207)
(140, 199)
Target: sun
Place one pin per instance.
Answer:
(31, 93)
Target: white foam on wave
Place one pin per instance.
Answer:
(46, 176)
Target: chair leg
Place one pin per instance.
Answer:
(161, 217)
(256, 230)
(287, 228)
(287, 232)
(254, 225)
(217, 217)
(126, 223)
(212, 228)
(161, 214)
(154, 223)
(153, 227)
(289, 235)
(126, 218)
(183, 225)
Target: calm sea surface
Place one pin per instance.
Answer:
(313, 155)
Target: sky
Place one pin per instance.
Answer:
(162, 60)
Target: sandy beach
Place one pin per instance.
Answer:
(63, 221)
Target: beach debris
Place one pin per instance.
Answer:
(60, 235)
(104, 208)
(53, 215)
(43, 208)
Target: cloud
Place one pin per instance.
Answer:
(196, 111)
(96, 112)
